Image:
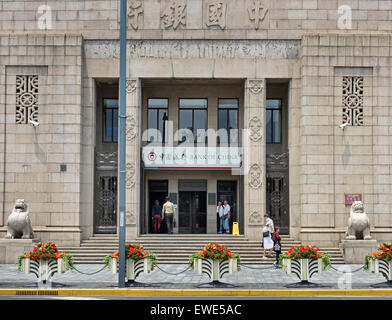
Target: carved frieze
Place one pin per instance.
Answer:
(195, 49)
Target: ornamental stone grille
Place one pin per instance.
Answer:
(353, 100)
(26, 98)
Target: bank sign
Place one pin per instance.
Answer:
(156, 157)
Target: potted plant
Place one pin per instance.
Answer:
(44, 261)
(380, 261)
(215, 260)
(138, 260)
(304, 261)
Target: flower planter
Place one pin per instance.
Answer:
(215, 269)
(44, 269)
(133, 268)
(382, 266)
(304, 269)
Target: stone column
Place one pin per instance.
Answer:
(133, 136)
(254, 158)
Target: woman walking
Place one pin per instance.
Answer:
(277, 246)
(268, 229)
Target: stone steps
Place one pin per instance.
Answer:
(177, 248)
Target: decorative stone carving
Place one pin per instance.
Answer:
(106, 161)
(19, 224)
(131, 218)
(278, 160)
(255, 177)
(130, 176)
(256, 86)
(255, 218)
(358, 223)
(216, 15)
(196, 49)
(131, 86)
(257, 12)
(353, 100)
(255, 127)
(26, 98)
(135, 9)
(174, 14)
(131, 132)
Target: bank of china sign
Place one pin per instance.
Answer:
(179, 157)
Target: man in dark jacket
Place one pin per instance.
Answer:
(156, 216)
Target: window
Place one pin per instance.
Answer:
(110, 120)
(157, 115)
(274, 120)
(193, 116)
(228, 120)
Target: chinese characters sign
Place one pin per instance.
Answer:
(349, 198)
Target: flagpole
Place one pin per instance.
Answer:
(122, 141)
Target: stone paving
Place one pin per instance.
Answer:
(250, 277)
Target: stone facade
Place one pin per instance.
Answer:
(71, 46)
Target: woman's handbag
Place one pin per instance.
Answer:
(266, 234)
(277, 246)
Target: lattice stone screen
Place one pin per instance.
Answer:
(353, 100)
(26, 98)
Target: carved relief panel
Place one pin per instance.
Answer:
(352, 101)
(26, 98)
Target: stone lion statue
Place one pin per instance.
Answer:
(358, 223)
(19, 224)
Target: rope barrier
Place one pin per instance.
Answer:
(333, 268)
(262, 268)
(89, 274)
(173, 274)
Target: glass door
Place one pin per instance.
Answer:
(192, 213)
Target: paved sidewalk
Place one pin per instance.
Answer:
(247, 278)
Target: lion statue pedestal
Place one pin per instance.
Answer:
(358, 241)
(19, 236)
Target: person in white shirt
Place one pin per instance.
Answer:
(226, 216)
(267, 238)
(219, 211)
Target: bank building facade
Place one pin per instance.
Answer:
(279, 107)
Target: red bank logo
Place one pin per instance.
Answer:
(152, 156)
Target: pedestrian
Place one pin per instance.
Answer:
(220, 211)
(277, 246)
(168, 214)
(226, 216)
(156, 216)
(267, 236)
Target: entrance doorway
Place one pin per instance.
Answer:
(157, 190)
(227, 190)
(277, 157)
(192, 213)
